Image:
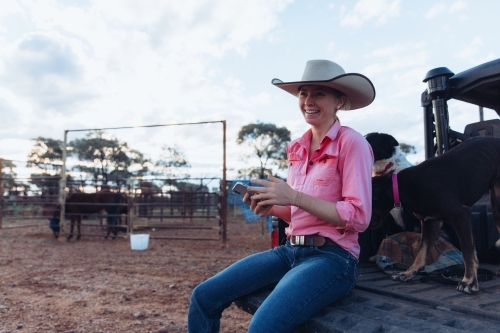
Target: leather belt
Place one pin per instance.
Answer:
(310, 240)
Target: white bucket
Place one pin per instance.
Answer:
(139, 241)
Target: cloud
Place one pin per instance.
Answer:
(457, 6)
(17, 149)
(470, 50)
(440, 8)
(366, 10)
(331, 46)
(435, 11)
(9, 8)
(133, 56)
(195, 27)
(44, 68)
(39, 56)
(10, 119)
(108, 64)
(473, 52)
(405, 61)
(409, 82)
(397, 62)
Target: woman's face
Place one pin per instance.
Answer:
(318, 105)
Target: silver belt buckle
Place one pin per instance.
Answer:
(299, 240)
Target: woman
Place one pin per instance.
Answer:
(326, 201)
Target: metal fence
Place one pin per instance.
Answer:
(153, 204)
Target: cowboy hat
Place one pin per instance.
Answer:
(357, 88)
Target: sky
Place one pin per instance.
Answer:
(69, 64)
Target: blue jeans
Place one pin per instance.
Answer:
(305, 280)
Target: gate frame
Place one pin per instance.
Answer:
(62, 183)
(1, 193)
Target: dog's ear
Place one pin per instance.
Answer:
(376, 140)
(392, 140)
(383, 145)
(373, 137)
(389, 143)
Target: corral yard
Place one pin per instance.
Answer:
(97, 285)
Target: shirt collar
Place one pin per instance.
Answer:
(334, 130)
(332, 133)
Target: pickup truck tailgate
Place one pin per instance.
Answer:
(378, 304)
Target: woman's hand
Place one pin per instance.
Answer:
(254, 205)
(272, 192)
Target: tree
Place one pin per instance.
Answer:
(269, 143)
(407, 149)
(170, 159)
(8, 175)
(8, 169)
(105, 159)
(46, 155)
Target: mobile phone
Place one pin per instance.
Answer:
(240, 188)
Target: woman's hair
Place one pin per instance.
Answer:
(338, 94)
(347, 103)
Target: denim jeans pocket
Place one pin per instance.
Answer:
(338, 257)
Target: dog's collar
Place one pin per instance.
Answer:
(395, 190)
(387, 167)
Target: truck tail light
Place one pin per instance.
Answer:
(274, 238)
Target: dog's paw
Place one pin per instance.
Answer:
(467, 288)
(401, 277)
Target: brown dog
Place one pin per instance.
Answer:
(444, 188)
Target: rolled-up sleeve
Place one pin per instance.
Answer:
(355, 167)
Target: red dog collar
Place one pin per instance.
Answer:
(395, 191)
(387, 167)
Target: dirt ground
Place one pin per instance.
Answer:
(97, 285)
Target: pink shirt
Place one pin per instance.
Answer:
(339, 171)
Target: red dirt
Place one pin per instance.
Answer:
(97, 285)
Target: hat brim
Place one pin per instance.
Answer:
(357, 88)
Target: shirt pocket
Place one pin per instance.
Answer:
(325, 170)
(294, 163)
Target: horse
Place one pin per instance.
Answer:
(79, 204)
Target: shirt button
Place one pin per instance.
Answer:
(311, 163)
(341, 232)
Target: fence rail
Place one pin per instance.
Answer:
(147, 206)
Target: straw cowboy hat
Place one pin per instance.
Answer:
(357, 88)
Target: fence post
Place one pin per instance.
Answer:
(224, 186)
(161, 206)
(130, 201)
(62, 184)
(1, 193)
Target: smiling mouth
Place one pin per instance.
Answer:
(311, 111)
